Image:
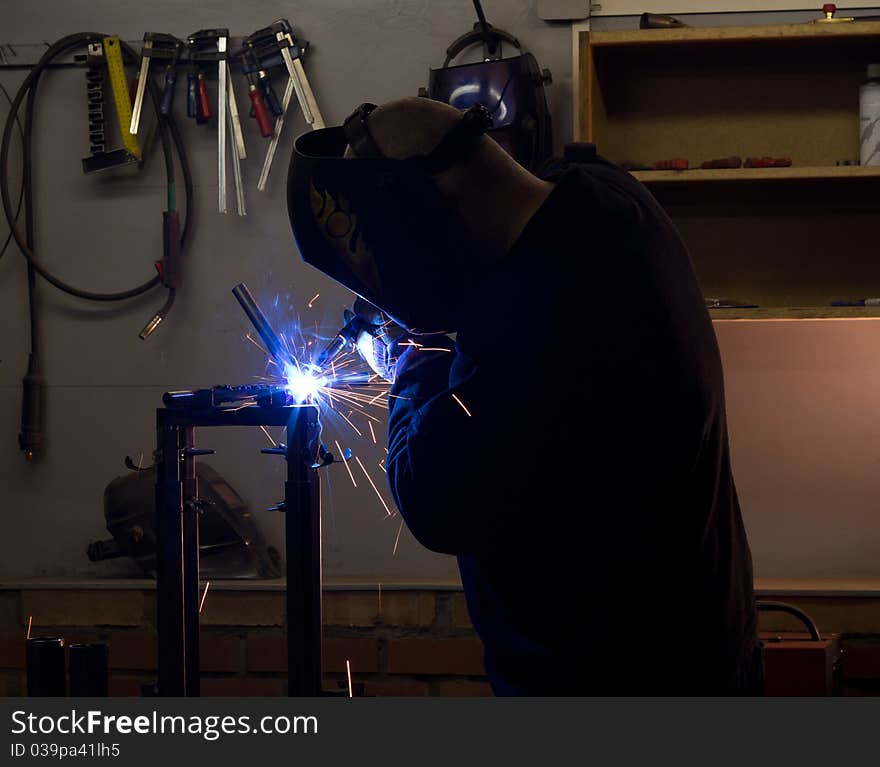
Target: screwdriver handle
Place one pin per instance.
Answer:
(168, 91)
(192, 98)
(260, 112)
(204, 102)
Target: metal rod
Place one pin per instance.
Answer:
(302, 534)
(235, 121)
(141, 89)
(261, 325)
(190, 548)
(276, 136)
(221, 122)
(297, 84)
(169, 559)
(236, 159)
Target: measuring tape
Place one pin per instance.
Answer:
(121, 97)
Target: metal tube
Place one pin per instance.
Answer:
(88, 670)
(261, 325)
(189, 486)
(45, 667)
(169, 559)
(302, 534)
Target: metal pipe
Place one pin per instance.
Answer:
(261, 325)
(302, 537)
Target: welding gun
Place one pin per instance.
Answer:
(376, 338)
(355, 324)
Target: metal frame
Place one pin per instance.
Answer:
(177, 530)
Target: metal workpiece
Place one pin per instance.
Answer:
(177, 512)
(268, 336)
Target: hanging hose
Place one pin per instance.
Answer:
(30, 438)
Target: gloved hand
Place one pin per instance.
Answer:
(386, 347)
(379, 340)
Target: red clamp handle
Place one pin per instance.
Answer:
(204, 102)
(260, 112)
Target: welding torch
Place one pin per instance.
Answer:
(355, 324)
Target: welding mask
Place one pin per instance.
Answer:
(380, 226)
(511, 88)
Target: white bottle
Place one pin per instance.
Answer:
(869, 117)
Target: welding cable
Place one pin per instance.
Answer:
(764, 605)
(168, 134)
(8, 239)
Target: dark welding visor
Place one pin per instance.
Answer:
(379, 226)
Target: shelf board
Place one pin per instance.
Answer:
(797, 313)
(721, 35)
(734, 175)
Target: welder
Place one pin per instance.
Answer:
(570, 445)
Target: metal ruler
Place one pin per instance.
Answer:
(121, 96)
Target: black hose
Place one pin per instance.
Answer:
(784, 607)
(166, 126)
(20, 191)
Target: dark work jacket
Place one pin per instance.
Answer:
(581, 473)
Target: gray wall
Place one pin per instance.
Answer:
(802, 397)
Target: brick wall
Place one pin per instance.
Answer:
(414, 643)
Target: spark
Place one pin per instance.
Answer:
(266, 432)
(259, 346)
(359, 433)
(434, 349)
(372, 433)
(462, 404)
(348, 671)
(204, 594)
(370, 480)
(382, 467)
(397, 540)
(303, 382)
(30, 621)
(313, 299)
(140, 461)
(249, 403)
(342, 458)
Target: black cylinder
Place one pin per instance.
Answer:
(88, 670)
(45, 667)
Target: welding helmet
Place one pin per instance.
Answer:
(512, 89)
(380, 226)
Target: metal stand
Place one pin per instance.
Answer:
(177, 529)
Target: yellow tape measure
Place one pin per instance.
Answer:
(121, 96)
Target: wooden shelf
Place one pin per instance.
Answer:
(791, 240)
(797, 313)
(740, 175)
(735, 35)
